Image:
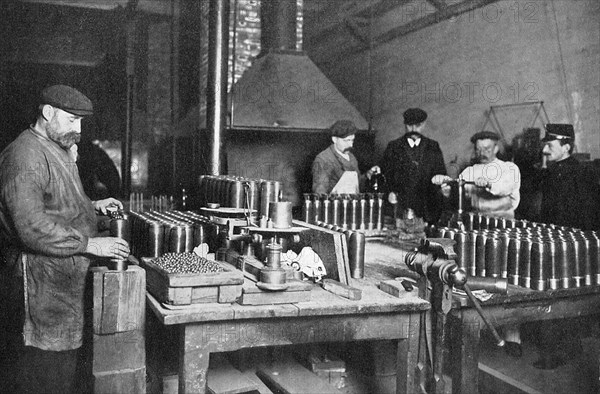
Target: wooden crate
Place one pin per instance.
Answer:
(186, 289)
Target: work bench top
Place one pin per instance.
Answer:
(518, 294)
(382, 262)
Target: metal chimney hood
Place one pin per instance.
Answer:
(283, 88)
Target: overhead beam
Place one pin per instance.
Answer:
(358, 11)
(431, 19)
(417, 24)
(438, 4)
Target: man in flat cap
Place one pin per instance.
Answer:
(335, 170)
(495, 191)
(48, 233)
(408, 164)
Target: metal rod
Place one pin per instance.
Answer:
(517, 104)
(217, 83)
(499, 341)
(126, 144)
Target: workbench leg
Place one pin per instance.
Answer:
(466, 334)
(407, 357)
(442, 380)
(193, 362)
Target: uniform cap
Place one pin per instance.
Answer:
(559, 131)
(68, 99)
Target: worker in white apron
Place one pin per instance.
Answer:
(335, 170)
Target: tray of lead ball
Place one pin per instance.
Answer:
(186, 278)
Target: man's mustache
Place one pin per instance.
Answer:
(348, 149)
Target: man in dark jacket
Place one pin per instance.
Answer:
(570, 197)
(48, 238)
(570, 194)
(335, 170)
(408, 165)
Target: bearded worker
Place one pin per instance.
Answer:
(48, 230)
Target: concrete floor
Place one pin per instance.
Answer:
(577, 376)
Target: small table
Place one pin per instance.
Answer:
(210, 328)
(520, 305)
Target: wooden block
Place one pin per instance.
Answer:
(274, 297)
(132, 299)
(260, 386)
(251, 267)
(119, 300)
(228, 294)
(332, 248)
(297, 291)
(119, 351)
(229, 276)
(293, 285)
(98, 293)
(289, 377)
(201, 295)
(223, 378)
(124, 381)
(392, 287)
(170, 384)
(335, 287)
(489, 377)
(228, 255)
(110, 303)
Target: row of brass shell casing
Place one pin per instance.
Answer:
(154, 233)
(362, 211)
(528, 254)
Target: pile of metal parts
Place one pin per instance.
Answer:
(349, 211)
(529, 254)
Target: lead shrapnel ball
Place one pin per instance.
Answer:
(187, 263)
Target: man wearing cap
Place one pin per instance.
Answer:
(335, 170)
(571, 198)
(409, 163)
(494, 192)
(496, 183)
(48, 233)
(569, 189)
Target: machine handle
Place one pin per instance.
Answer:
(499, 341)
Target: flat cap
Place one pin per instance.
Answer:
(559, 131)
(414, 116)
(485, 135)
(342, 129)
(68, 99)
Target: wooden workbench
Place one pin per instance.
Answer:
(520, 305)
(210, 328)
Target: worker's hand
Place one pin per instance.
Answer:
(440, 179)
(373, 170)
(445, 188)
(101, 205)
(482, 182)
(111, 247)
(393, 198)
